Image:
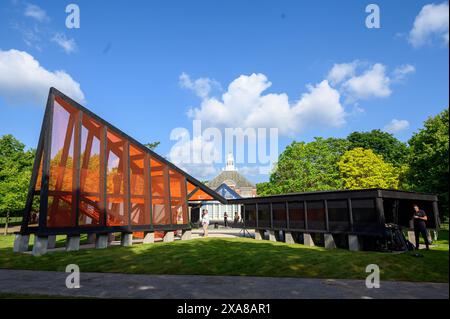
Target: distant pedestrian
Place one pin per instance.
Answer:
(225, 219)
(420, 226)
(236, 218)
(34, 218)
(205, 222)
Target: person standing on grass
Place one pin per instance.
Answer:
(236, 218)
(420, 226)
(205, 222)
(225, 219)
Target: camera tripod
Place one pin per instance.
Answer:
(244, 231)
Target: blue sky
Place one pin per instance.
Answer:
(127, 58)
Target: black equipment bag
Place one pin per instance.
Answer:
(396, 240)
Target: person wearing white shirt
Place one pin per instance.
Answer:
(205, 222)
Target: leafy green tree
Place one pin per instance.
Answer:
(153, 145)
(362, 168)
(429, 159)
(381, 143)
(15, 172)
(306, 167)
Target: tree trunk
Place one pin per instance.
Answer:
(6, 223)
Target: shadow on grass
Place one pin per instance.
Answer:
(238, 257)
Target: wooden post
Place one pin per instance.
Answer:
(6, 223)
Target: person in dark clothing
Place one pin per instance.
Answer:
(225, 219)
(420, 226)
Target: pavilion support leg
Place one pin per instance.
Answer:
(149, 238)
(101, 241)
(186, 234)
(354, 243)
(111, 237)
(411, 237)
(430, 239)
(272, 235)
(21, 243)
(126, 239)
(91, 238)
(434, 235)
(329, 241)
(307, 240)
(288, 238)
(259, 234)
(168, 236)
(40, 245)
(73, 243)
(51, 241)
(279, 235)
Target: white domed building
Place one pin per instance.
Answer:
(230, 184)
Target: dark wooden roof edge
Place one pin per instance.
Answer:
(331, 194)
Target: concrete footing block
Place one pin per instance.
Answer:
(101, 241)
(307, 240)
(186, 234)
(288, 238)
(40, 245)
(329, 241)
(21, 243)
(272, 235)
(412, 237)
(259, 235)
(149, 238)
(91, 238)
(51, 241)
(354, 243)
(126, 239)
(73, 243)
(168, 236)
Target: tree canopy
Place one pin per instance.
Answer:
(429, 159)
(362, 168)
(381, 143)
(15, 172)
(306, 167)
(152, 145)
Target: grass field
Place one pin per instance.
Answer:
(239, 257)
(13, 221)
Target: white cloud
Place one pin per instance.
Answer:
(396, 126)
(249, 170)
(24, 80)
(199, 171)
(67, 44)
(185, 152)
(245, 105)
(201, 86)
(35, 12)
(432, 21)
(401, 71)
(341, 71)
(372, 83)
(320, 106)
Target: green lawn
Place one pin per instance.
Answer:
(13, 221)
(239, 257)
